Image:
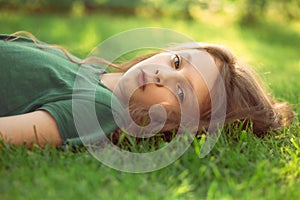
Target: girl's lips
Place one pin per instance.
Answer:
(142, 80)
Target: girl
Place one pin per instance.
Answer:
(38, 95)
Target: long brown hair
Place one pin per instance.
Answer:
(247, 98)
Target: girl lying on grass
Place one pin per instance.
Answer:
(37, 90)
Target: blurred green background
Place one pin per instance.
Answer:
(262, 33)
(249, 11)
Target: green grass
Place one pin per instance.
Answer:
(241, 166)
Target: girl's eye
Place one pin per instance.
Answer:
(176, 61)
(180, 94)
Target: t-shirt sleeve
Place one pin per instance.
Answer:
(61, 111)
(87, 125)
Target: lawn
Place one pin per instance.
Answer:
(240, 166)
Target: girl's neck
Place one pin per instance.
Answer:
(110, 80)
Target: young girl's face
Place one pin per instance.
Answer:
(170, 78)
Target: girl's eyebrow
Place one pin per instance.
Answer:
(186, 56)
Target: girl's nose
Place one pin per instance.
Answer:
(152, 77)
(157, 78)
(165, 77)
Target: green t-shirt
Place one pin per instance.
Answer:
(44, 79)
